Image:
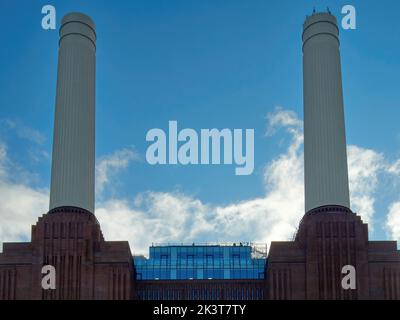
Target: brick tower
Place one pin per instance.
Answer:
(330, 236)
(69, 237)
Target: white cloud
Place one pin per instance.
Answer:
(108, 166)
(167, 217)
(20, 205)
(394, 168)
(153, 217)
(175, 217)
(393, 217)
(283, 118)
(365, 165)
(393, 220)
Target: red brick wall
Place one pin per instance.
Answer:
(87, 267)
(327, 239)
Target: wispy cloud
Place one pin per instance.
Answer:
(283, 118)
(175, 216)
(110, 165)
(25, 132)
(34, 140)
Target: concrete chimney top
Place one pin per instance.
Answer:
(78, 23)
(321, 23)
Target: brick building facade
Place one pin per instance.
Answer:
(328, 238)
(87, 267)
(309, 267)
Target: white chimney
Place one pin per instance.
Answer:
(73, 161)
(325, 158)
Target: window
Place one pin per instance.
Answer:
(210, 260)
(199, 262)
(164, 260)
(190, 260)
(236, 260)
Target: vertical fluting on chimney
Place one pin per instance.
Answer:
(73, 158)
(325, 157)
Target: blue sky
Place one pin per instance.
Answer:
(206, 64)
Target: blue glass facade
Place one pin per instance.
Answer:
(186, 262)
